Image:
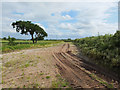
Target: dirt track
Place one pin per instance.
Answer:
(75, 70)
(44, 60)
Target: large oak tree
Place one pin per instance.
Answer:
(26, 27)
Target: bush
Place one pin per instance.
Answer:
(104, 49)
(11, 41)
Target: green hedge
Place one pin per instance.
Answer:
(104, 49)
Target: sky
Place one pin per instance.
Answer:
(62, 20)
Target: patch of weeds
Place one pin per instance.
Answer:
(60, 82)
(23, 73)
(18, 87)
(43, 60)
(101, 80)
(58, 75)
(3, 75)
(41, 74)
(61, 79)
(27, 65)
(13, 63)
(32, 64)
(1, 67)
(55, 84)
(28, 78)
(64, 84)
(21, 52)
(2, 82)
(8, 64)
(23, 56)
(35, 85)
(47, 77)
(38, 57)
(23, 86)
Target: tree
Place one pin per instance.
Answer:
(4, 38)
(26, 27)
(11, 40)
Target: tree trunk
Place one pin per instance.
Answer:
(32, 38)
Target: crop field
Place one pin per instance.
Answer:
(25, 44)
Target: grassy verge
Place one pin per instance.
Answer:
(60, 82)
(104, 50)
(20, 45)
(108, 85)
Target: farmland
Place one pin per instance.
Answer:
(59, 64)
(25, 44)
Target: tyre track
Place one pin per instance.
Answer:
(75, 74)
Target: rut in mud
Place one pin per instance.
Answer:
(75, 70)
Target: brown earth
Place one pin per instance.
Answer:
(41, 68)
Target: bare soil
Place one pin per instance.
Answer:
(40, 68)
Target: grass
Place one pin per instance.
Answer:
(27, 65)
(101, 81)
(21, 44)
(47, 77)
(41, 74)
(60, 82)
(23, 74)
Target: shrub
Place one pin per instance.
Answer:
(11, 40)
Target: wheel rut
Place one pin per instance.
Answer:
(72, 69)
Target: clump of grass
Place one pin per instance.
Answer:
(47, 77)
(27, 65)
(23, 86)
(23, 73)
(38, 57)
(35, 85)
(9, 63)
(58, 75)
(2, 82)
(41, 74)
(60, 82)
(18, 87)
(28, 78)
(64, 84)
(57, 84)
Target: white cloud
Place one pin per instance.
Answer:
(67, 17)
(90, 20)
(60, 1)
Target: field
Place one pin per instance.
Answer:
(59, 64)
(24, 44)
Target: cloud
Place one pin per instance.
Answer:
(67, 17)
(90, 17)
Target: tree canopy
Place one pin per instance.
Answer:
(26, 27)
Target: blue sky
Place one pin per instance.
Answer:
(62, 20)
